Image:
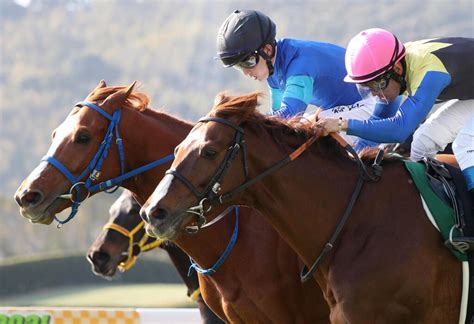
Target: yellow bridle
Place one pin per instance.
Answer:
(131, 259)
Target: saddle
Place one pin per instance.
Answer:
(448, 183)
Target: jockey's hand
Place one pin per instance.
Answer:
(331, 125)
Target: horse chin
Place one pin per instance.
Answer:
(167, 230)
(161, 232)
(105, 272)
(45, 215)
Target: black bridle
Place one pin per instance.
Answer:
(210, 194)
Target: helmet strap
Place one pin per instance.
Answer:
(268, 58)
(401, 78)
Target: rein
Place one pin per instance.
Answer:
(364, 175)
(210, 271)
(211, 198)
(141, 244)
(93, 170)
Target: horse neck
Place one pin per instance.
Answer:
(147, 137)
(303, 201)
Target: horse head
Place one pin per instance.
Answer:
(211, 161)
(73, 157)
(121, 240)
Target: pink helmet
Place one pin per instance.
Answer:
(371, 53)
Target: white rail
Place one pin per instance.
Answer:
(70, 315)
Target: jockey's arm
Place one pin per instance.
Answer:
(295, 99)
(409, 115)
(382, 111)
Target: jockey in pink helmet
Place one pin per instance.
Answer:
(372, 53)
(423, 73)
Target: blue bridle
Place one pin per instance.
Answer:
(95, 165)
(210, 271)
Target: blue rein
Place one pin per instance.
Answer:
(225, 254)
(95, 165)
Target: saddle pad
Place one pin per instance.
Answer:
(442, 213)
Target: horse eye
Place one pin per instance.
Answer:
(209, 153)
(82, 138)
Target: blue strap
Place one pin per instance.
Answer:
(223, 257)
(112, 182)
(58, 165)
(96, 108)
(74, 210)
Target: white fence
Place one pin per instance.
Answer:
(71, 315)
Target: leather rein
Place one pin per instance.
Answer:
(210, 195)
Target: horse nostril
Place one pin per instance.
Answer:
(29, 198)
(159, 213)
(98, 257)
(143, 215)
(18, 200)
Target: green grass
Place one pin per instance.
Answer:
(131, 295)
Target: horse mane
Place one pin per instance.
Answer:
(244, 109)
(292, 131)
(135, 100)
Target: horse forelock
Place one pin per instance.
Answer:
(238, 107)
(135, 100)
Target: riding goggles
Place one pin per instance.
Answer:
(378, 84)
(381, 83)
(249, 61)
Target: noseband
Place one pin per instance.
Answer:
(93, 170)
(141, 245)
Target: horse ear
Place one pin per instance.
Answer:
(130, 88)
(118, 98)
(221, 98)
(99, 86)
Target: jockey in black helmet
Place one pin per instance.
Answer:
(243, 35)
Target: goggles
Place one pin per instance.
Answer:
(379, 84)
(249, 61)
(373, 91)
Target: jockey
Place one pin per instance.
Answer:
(298, 72)
(424, 71)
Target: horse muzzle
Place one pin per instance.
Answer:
(36, 208)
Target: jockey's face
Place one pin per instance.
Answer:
(391, 90)
(260, 70)
(390, 93)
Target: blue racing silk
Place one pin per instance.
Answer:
(309, 72)
(435, 69)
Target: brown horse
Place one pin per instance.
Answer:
(257, 283)
(123, 238)
(389, 264)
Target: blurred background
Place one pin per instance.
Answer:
(54, 52)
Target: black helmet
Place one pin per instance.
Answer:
(244, 32)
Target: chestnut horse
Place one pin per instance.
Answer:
(259, 280)
(123, 239)
(389, 264)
